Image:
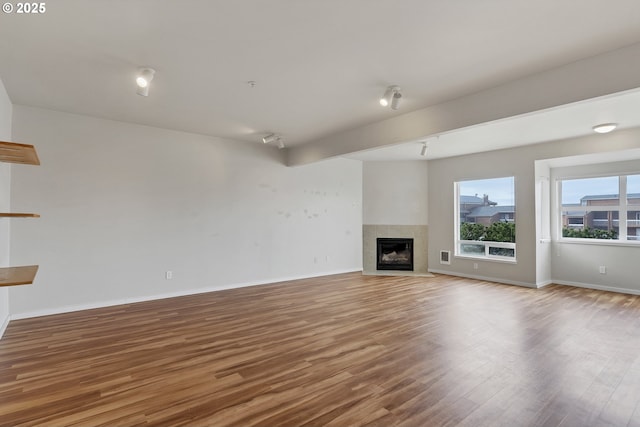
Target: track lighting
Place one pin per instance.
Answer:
(270, 138)
(605, 127)
(144, 80)
(391, 97)
(395, 101)
(423, 152)
(386, 98)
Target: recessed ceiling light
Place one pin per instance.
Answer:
(605, 127)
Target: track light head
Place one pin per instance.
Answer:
(395, 101)
(386, 98)
(269, 138)
(272, 137)
(143, 91)
(423, 152)
(390, 95)
(144, 80)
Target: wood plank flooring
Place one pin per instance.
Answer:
(343, 350)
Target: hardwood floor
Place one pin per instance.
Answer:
(344, 350)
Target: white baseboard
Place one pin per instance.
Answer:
(4, 325)
(598, 287)
(541, 284)
(101, 304)
(396, 273)
(486, 279)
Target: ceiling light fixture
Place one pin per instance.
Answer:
(423, 152)
(395, 101)
(144, 80)
(270, 138)
(605, 127)
(390, 95)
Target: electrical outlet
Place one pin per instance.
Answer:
(603, 269)
(168, 275)
(475, 265)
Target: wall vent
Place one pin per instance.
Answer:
(445, 257)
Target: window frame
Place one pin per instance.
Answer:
(457, 253)
(622, 208)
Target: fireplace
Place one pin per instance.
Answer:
(394, 254)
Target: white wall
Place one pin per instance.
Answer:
(442, 176)
(395, 192)
(520, 162)
(121, 204)
(5, 185)
(578, 263)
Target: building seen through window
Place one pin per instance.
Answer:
(486, 217)
(593, 209)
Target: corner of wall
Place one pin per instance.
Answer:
(6, 115)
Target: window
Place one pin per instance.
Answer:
(591, 208)
(486, 219)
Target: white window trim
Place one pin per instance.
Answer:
(487, 244)
(623, 207)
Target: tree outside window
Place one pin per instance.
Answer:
(592, 208)
(486, 218)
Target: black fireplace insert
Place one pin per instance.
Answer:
(395, 254)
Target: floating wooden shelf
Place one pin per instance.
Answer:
(13, 276)
(19, 215)
(13, 152)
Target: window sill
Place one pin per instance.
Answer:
(599, 242)
(490, 259)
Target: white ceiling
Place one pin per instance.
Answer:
(319, 66)
(567, 121)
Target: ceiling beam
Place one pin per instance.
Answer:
(601, 75)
